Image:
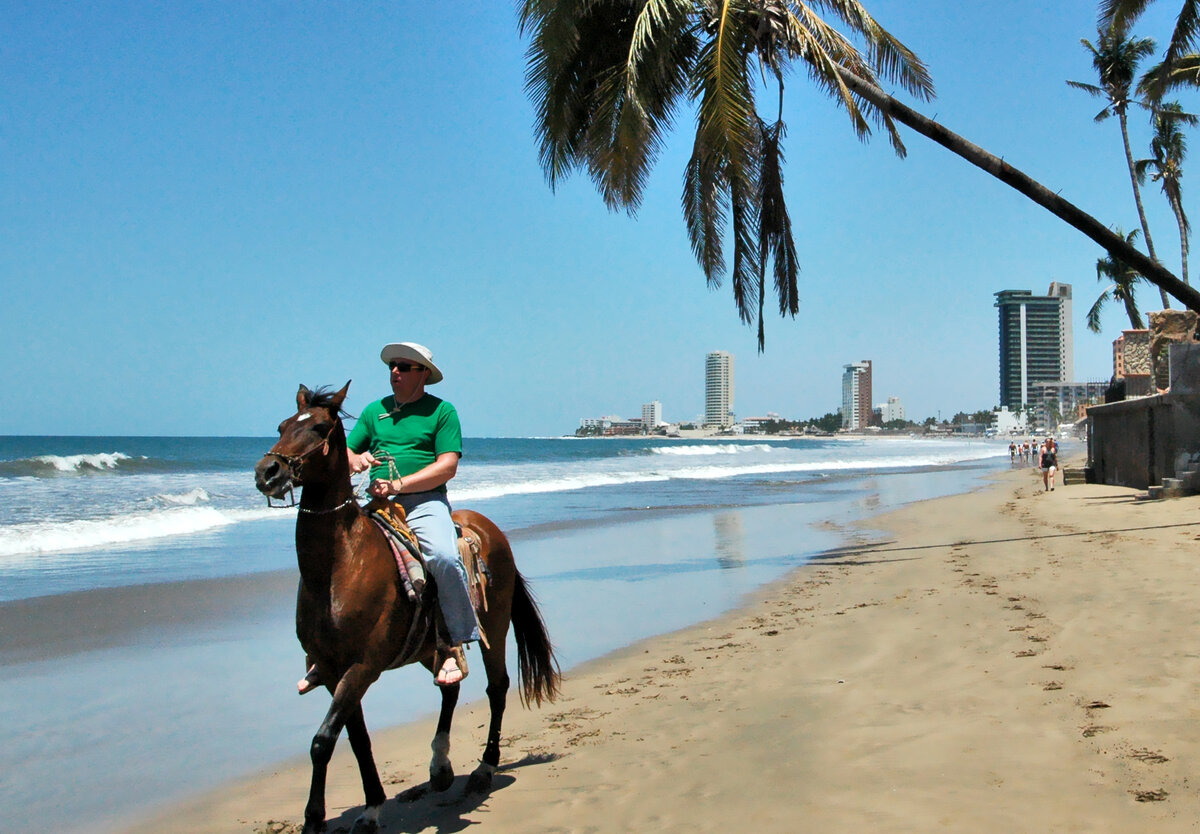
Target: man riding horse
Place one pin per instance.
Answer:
(412, 441)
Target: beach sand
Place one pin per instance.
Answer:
(1004, 660)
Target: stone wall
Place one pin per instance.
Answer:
(1138, 443)
(1168, 327)
(1136, 351)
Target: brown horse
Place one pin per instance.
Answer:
(353, 615)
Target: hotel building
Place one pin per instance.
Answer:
(718, 390)
(651, 415)
(1036, 340)
(856, 395)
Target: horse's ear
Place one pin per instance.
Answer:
(303, 398)
(340, 396)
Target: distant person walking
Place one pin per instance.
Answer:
(1049, 464)
(1012, 452)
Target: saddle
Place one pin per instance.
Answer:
(391, 519)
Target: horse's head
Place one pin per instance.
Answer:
(311, 447)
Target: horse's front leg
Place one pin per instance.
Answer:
(347, 699)
(441, 772)
(360, 743)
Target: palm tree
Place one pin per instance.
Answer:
(608, 76)
(1168, 149)
(1181, 65)
(1116, 57)
(1122, 277)
(1121, 14)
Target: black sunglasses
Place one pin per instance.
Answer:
(404, 367)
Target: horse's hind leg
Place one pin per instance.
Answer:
(360, 743)
(497, 692)
(441, 772)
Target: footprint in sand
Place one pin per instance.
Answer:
(1149, 756)
(1150, 796)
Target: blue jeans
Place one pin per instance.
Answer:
(429, 517)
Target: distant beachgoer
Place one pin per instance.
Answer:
(1012, 452)
(1049, 464)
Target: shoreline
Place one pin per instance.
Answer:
(1007, 660)
(180, 660)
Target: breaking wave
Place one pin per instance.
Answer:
(51, 536)
(51, 465)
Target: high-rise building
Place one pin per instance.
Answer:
(1036, 341)
(651, 415)
(893, 409)
(856, 395)
(718, 389)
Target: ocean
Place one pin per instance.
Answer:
(89, 512)
(193, 575)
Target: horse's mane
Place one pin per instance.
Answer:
(323, 398)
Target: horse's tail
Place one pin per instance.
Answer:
(537, 668)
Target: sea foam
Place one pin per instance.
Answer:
(48, 536)
(711, 449)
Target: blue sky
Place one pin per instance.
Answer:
(205, 204)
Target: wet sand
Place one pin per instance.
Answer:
(1005, 660)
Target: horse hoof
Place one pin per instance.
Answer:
(440, 779)
(480, 780)
(314, 827)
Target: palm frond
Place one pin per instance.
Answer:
(1090, 89)
(775, 226)
(1183, 38)
(891, 60)
(705, 199)
(1121, 14)
(1162, 78)
(1093, 314)
(606, 83)
(1122, 278)
(823, 49)
(725, 89)
(1141, 167)
(744, 214)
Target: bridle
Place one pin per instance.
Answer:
(293, 463)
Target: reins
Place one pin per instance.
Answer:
(292, 462)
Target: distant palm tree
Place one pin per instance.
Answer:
(608, 76)
(1123, 13)
(1122, 277)
(1181, 64)
(1115, 57)
(1168, 149)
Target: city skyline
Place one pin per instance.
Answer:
(232, 215)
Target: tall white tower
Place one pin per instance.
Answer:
(718, 389)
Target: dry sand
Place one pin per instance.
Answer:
(1007, 660)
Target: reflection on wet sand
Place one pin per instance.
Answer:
(729, 540)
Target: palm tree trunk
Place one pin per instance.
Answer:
(1131, 310)
(1177, 207)
(1153, 271)
(1137, 198)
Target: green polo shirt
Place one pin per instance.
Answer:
(414, 434)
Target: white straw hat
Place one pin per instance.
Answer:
(413, 353)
